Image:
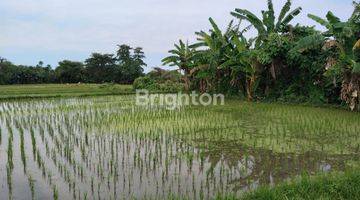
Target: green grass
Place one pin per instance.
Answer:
(61, 90)
(326, 186)
(336, 185)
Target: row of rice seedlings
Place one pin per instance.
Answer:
(30, 180)
(56, 150)
(126, 148)
(10, 163)
(320, 132)
(22, 149)
(135, 158)
(40, 162)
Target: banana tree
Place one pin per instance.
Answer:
(243, 65)
(227, 57)
(182, 57)
(343, 37)
(268, 25)
(214, 48)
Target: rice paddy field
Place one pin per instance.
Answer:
(107, 148)
(61, 90)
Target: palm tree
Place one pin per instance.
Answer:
(182, 57)
(268, 24)
(344, 37)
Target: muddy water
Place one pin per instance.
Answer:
(106, 148)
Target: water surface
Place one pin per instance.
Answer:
(107, 148)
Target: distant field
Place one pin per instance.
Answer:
(61, 90)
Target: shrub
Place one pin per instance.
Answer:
(160, 80)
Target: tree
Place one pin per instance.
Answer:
(226, 60)
(130, 63)
(6, 71)
(125, 67)
(70, 72)
(136, 67)
(243, 64)
(20, 74)
(2, 60)
(123, 54)
(139, 57)
(182, 57)
(216, 46)
(100, 68)
(343, 37)
(268, 26)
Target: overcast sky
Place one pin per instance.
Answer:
(54, 30)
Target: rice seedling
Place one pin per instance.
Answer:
(101, 147)
(55, 193)
(33, 142)
(10, 150)
(22, 149)
(9, 181)
(32, 186)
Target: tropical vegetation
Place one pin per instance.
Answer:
(283, 62)
(160, 80)
(123, 67)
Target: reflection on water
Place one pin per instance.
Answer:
(96, 148)
(263, 167)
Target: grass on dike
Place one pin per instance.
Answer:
(61, 90)
(337, 185)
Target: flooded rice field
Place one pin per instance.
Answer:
(108, 148)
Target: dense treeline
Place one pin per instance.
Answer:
(123, 67)
(283, 62)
